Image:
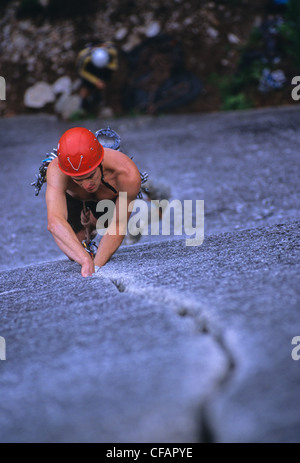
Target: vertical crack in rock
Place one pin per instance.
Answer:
(119, 284)
(206, 432)
(192, 309)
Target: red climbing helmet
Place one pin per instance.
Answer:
(79, 152)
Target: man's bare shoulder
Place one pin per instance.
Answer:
(55, 177)
(124, 171)
(118, 162)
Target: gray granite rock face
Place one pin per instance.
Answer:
(167, 343)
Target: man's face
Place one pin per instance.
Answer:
(89, 182)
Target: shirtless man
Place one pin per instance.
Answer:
(85, 173)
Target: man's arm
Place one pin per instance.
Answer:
(129, 182)
(58, 225)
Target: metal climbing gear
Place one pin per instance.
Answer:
(41, 176)
(108, 138)
(90, 247)
(89, 244)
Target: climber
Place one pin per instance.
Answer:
(84, 173)
(95, 65)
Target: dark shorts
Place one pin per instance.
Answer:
(75, 207)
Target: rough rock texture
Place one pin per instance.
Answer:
(167, 343)
(39, 95)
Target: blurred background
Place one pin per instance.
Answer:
(172, 56)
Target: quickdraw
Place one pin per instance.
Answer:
(90, 247)
(41, 176)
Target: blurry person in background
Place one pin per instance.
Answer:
(95, 65)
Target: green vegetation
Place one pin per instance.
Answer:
(236, 102)
(234, 89)
(237, 90)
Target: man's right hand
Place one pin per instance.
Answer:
(88, 268)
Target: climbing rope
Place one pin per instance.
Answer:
(88, 243)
